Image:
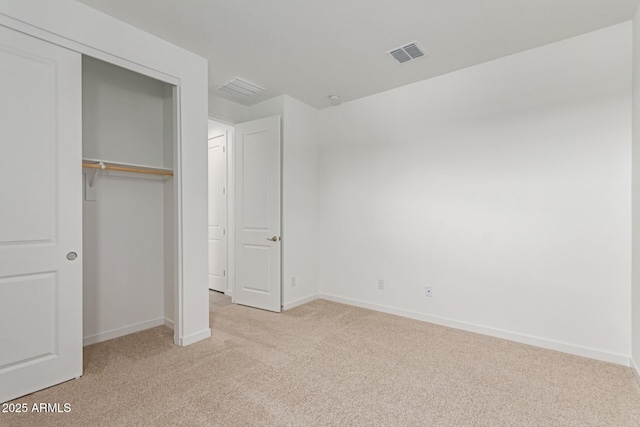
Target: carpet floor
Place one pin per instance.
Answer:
(328, 364)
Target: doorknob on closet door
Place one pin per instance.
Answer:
(273, 239)
(71, 256)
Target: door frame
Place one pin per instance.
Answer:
(23, 19)
(231, 200)
(228, 129)
(231, 218)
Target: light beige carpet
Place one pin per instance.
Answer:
(327, 364)
(218, 300)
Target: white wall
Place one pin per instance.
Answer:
(226, 111)
(122, 117)
(270, 107)
(123, 120)
(78, 27)
(635, 325)
(505, 187)
(123, 268)
(300, 202)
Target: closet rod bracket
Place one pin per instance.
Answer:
(94, 174)
(90, 191)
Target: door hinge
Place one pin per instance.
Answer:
(224, 273)
(224, 232)
(224, 190)
(224, 149)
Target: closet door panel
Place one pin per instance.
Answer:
(40, 215)
(36, 291)
(26, 78)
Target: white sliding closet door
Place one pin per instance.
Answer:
(40, 215)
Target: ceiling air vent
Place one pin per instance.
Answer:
(407, 53)
(241, 87)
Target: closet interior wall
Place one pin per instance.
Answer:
(128, 230)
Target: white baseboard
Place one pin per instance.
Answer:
(577, 350)
(228, 292)
(168, 323)
(192, 338)
(119, 332)
(300, 301)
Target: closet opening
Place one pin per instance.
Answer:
(130, 204)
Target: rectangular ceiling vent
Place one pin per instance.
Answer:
(407, 53)
(241, 87)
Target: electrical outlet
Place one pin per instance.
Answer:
(427, 291)
(293, 281)
(381, 284)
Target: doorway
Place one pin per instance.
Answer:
(245, 187)
(258, 213)
(220, 136)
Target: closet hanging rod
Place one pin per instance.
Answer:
(120, 168)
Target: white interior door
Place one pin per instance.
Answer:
(257, 200)
(218, 210)
(40, 215)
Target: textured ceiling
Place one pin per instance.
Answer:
(311, 49)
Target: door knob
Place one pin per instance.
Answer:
(71, 256)
(273, 239)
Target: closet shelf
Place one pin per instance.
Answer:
(124, 167)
